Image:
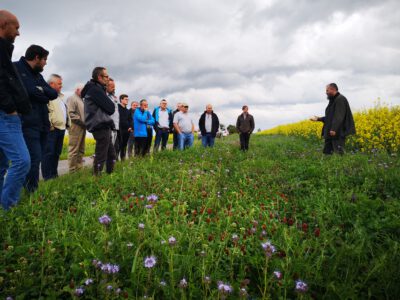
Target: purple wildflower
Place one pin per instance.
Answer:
(150, 261)
(268, 248)
(153, 198)
(110, 268)
(148, 206)
(141, 226)
(79, 291)
(278, 274)
(301, 286)
(224, 288)
(172, 241)
(88, 281)
(183, 283)
(109, 287)
(118, 291)
(97, 263)
(9, 298)
(105, 220)
(163, 283)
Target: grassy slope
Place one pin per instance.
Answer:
(50, 239)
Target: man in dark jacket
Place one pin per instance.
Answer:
(338, 121)
(14, 100)
(131, 140)
(98, 111)
(245, 127)
(125, 125)
(209, 126)
(35, 125)
(175, 134)
(163, 117)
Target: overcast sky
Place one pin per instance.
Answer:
(274, 55)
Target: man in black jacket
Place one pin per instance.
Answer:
(175, 145)
(209, 126)
(338, 121)
(14, 100)
(125, 125)
(35, 125)
(98, 111)
(245, 127)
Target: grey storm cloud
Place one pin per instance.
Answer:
(275, 56)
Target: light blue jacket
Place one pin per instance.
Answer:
(140, 122)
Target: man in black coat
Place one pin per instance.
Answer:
(36, 124)
(14, 100)
(125, 125)
(98, 110)
(338, 121)
(209, 126)
(245, 126)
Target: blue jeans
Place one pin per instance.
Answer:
(185, 140)
(35, 140)
(12, 149)
(52, 152)
(208, 140)
(162, 136)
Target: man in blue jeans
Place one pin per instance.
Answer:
(209, 126)
(184, 127)
(163, 117)
(35, 125)
(14, 155)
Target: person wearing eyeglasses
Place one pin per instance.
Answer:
(184, 127)
(98, 110)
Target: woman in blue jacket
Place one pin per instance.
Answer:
(143, 123)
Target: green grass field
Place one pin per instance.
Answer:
(331, 222)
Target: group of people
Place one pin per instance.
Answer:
(34, 117)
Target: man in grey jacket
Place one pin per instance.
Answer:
(245, 127)
(338, 121)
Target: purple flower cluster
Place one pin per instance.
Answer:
(105, 220)
(106, 268)
(269, 249)
(79, 291)
(88, 281)
(149, 206)
(150, 262)
(172, 241)
(301, 286)
(224, 288)
(183, 283)
(153, 198)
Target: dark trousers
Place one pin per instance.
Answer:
(244, 141)
(131, 144)
(175, 141)
(36, 142)
(161, 137)
(334, 146)
(141, 146)
(104, 152)
(149, 139)
(52, 152)
(123, 136)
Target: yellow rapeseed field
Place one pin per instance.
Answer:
(377, 128)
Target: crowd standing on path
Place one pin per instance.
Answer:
(34, 116)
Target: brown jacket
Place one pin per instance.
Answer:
(76, 110)
(245, 125)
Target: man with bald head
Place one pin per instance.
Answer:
(14, 101)
(209, 125)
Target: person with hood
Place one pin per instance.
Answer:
(36, 124)
(245, 127)
(14, 101)
(98, 110)
(209, 126)
(163, 125)
(338, 121)
(142, 124)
